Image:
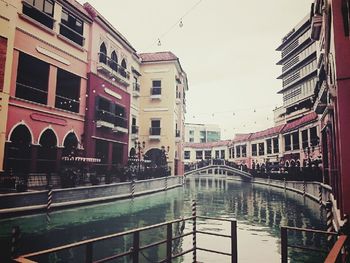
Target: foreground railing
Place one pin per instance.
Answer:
(136, 249)
(336, 254)
(285, 245)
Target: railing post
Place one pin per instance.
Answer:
(169, 242)
(89, 252)
(194, 238)
(284, 245)
(234, 253)
(136, 247)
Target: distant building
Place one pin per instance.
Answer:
(202, 133)
(299, 73)
(195, 152)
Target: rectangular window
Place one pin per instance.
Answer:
(134, 127)
(40, 10)
(103, 110)
(217, 154)
(156, 87)
(187, 155)
(314, 140)
(32, 79)
(207, 155)
(67, 91)
(230, 153)
(269, 146)
(120, 116)
(102, 151)
(155, 127)
(191, 139)
(305, 139)
(238, 151)
(222, 154)
(295, 136)
(72, 27)
(261, 148)
(275, 145)
(117, 153)
(191, 132)
(254, 150)
(287, 142)
(199, 155)
(244, 150)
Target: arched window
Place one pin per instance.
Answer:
(47, 152)
(123, 64)
(18, 151)
(123, 68)
(103, 54)
(114, 61)
(70, 145)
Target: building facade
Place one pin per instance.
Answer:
(195, 152)
(202, 133)
(46, 108)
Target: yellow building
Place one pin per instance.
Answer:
(8, 14)
(162, 108)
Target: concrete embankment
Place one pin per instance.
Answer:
(26, 202)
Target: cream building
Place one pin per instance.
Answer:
(162, 106)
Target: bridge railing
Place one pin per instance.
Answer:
(336, 254)
(136, 249)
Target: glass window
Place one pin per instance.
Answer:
(155, 127)
(67, 91)
(238, 152)
(314, 140)
(72, 27)
(275, 145)
(261, 148)
(295, 136)
(269, 146)
(199, 155)
(40, 10)
(222, 154)
(305, 139)
(244, 150)
(207, 155)
(156, 87)
(287, 142)
(254, 150)
(187, 155)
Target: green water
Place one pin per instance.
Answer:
(259, 210)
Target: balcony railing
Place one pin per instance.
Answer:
(155, 131)
(156, 91)
(111, 118)
(134, 129)
(38, 15)
(31, 93)
(113, 67)
(68, 104)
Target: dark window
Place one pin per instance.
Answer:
(187, 155)
(287, 142)
(238, 152)
(103, 110)
(67, 91)
(156, 87)
(254, 150)
(32, 79)
(134, 127)
(207, 155)
(113, 63)
(117, 153)
(122, 69)
(244, 150)
(102, 55)
(102, 151)
(295, 136)
(155, 127)
(47, 152)
(217, 154)
(40, 10)
(275, 145)
(72, 27)
(199, 155)
(345, 8)
(305, 139)
(314, 140)
(261, 148)
(70, 145)
(269, 146)
(121, 119)
(222, 154)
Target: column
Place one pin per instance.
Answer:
(51, 92)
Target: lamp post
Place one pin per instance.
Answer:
(139, 151)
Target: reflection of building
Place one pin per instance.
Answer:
(48, 83)
(162, 105)
(201, 133)
(112, 62)
(330, 25)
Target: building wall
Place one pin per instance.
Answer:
(201, 133)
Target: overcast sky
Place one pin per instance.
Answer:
(226, 47)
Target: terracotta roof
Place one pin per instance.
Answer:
(206, 145)
(268, 132)
(79, 7)
(158, 56)
(299, 122)
(239, 137)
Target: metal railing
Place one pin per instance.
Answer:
(285, 245)
(136, 249)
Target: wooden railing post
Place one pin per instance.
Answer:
(136, 247)
(234, 253)
(284, 245)
(169, 242)
(194, 235)
(88, 257)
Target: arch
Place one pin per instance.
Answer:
(54, 132)
(132, 152)
(286, 164)
(68, 133)
(297, 163)
(70, 144)
(18, 124)
(114, 61)
(47, 152)
(123, 63)
(292, 163)
(156, 156)
(103, 53)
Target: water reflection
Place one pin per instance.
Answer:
(259, 210)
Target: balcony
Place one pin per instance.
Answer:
(136, 89)
(110, 120)
(316, 26)
(154, 133)
(134, 132)
(112, 70)
(156, 93)
(177, 136)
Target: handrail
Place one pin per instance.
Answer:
(136, 248)
(336, 250)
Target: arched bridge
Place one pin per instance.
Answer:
(220, 169)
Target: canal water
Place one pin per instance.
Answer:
(259, 211)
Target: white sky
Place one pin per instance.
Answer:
(226, 47)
